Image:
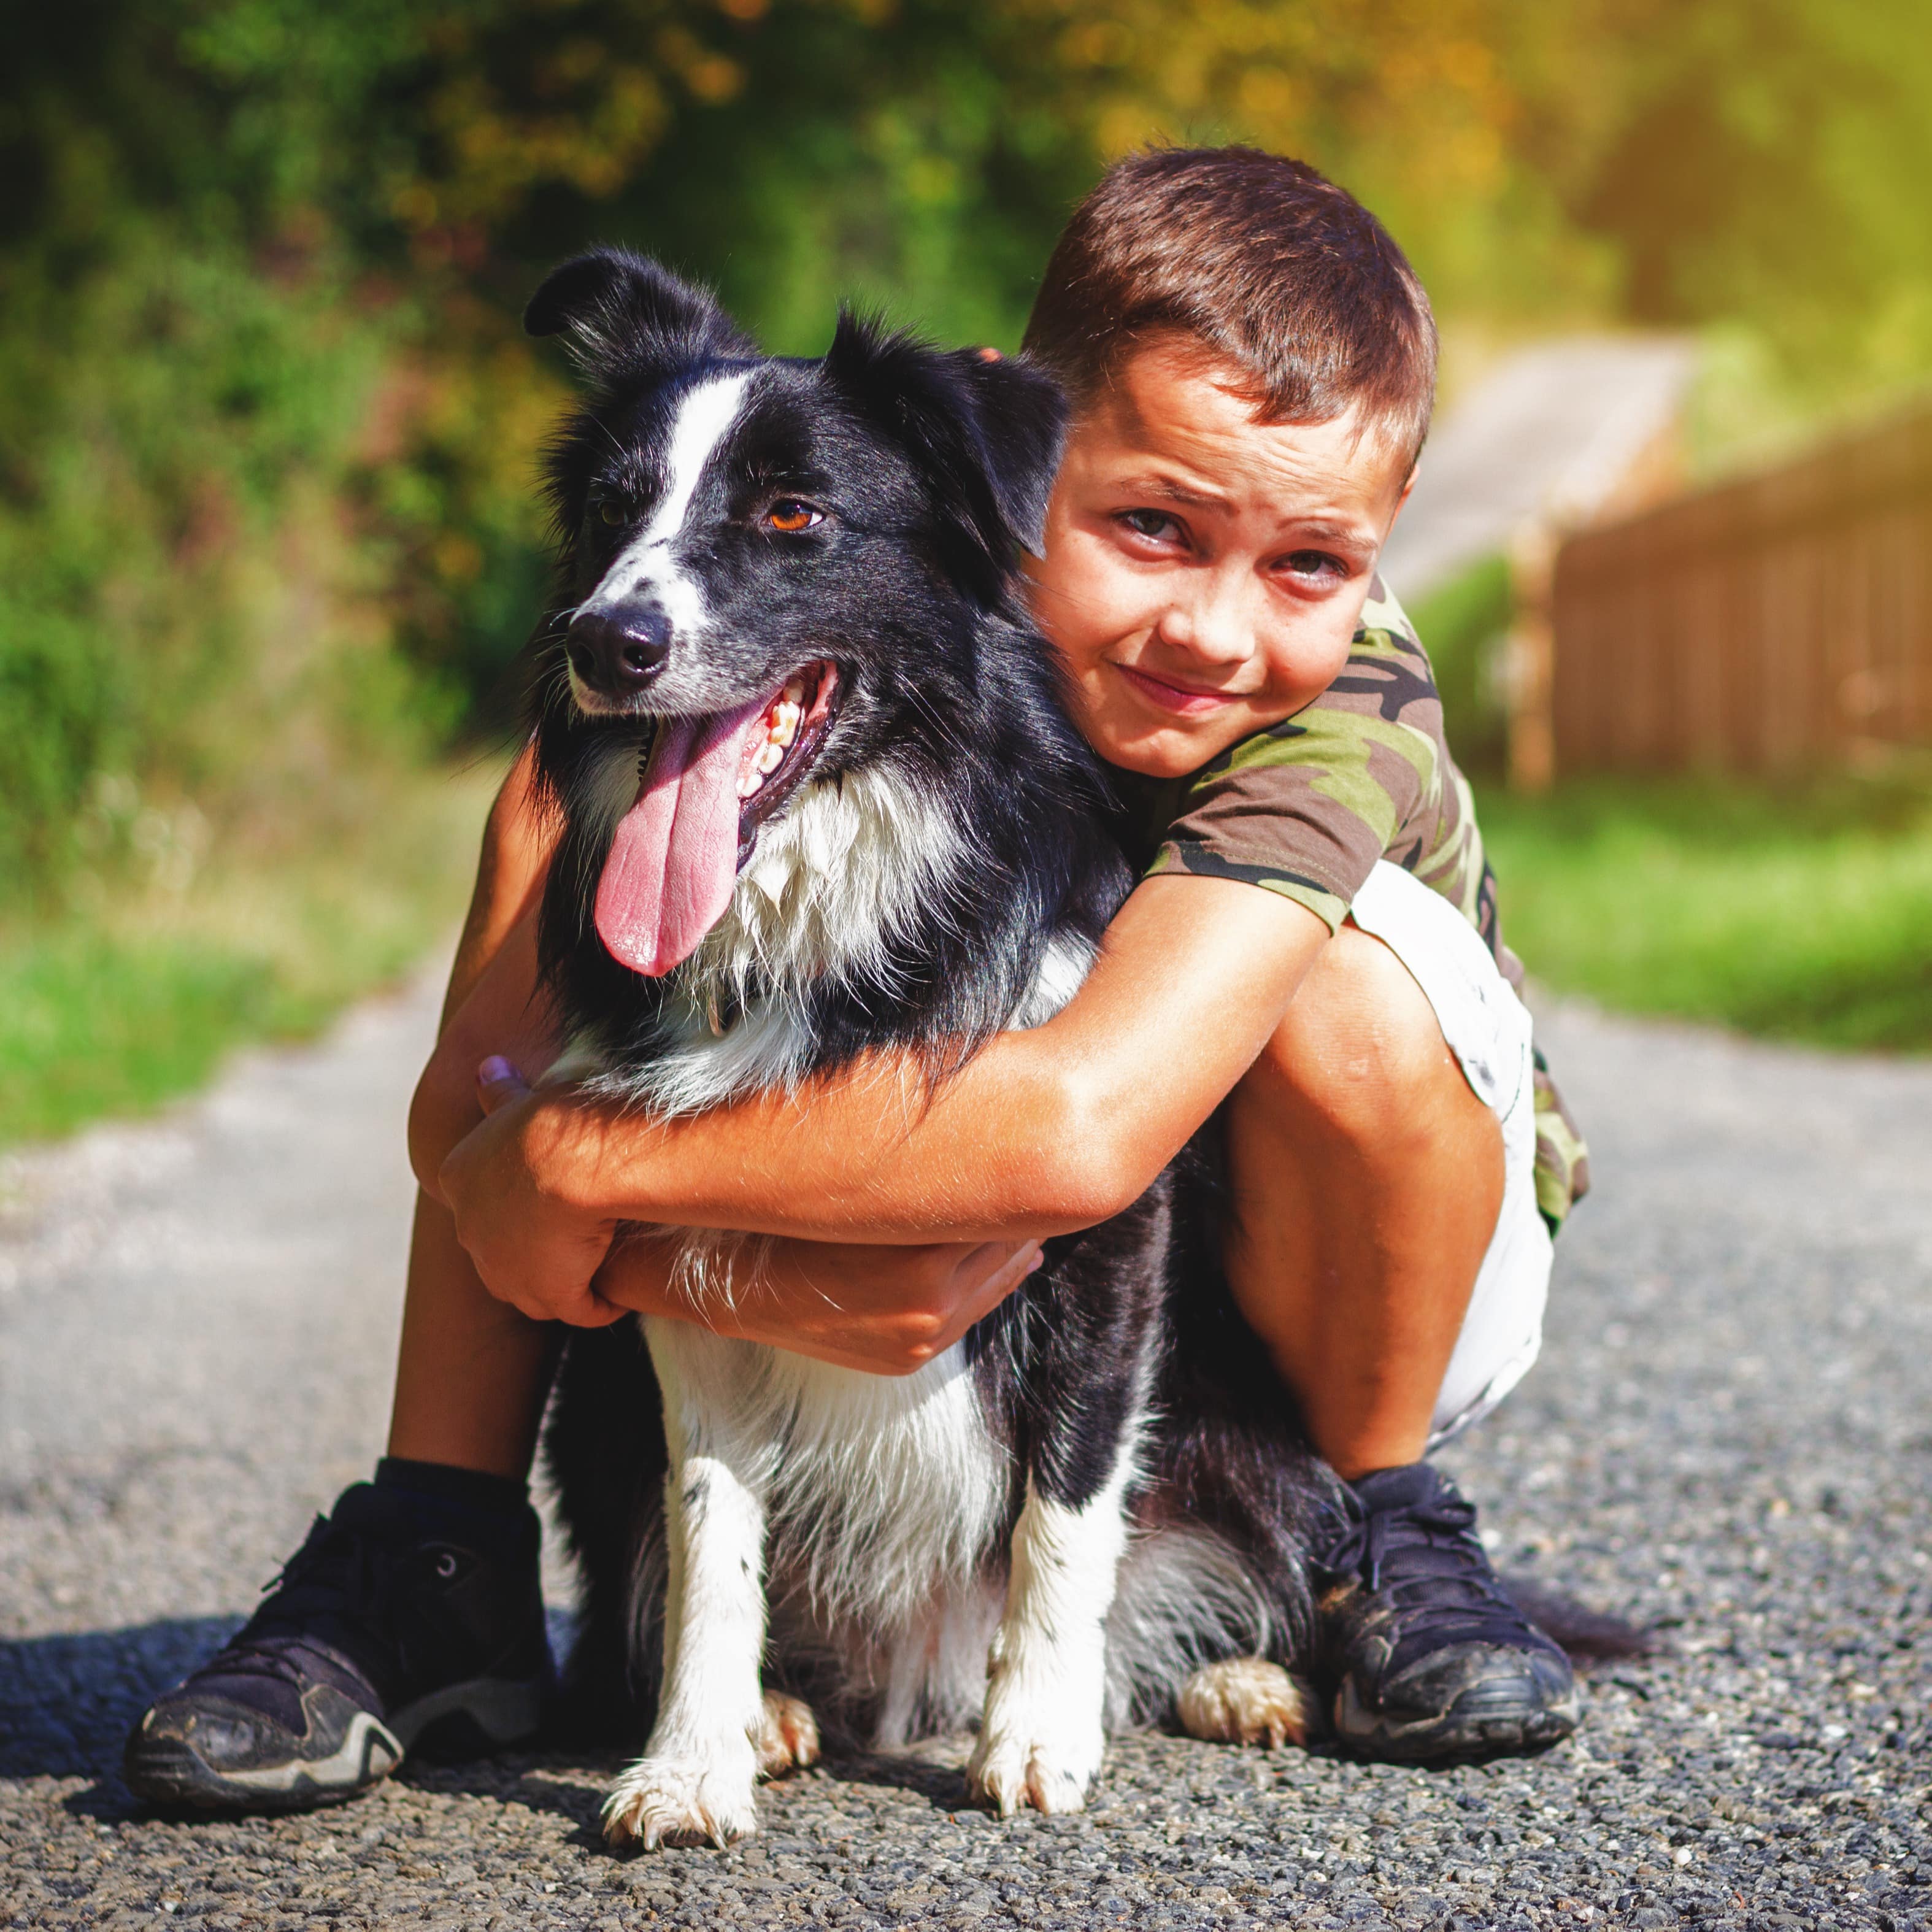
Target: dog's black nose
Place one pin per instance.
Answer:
(619, 652)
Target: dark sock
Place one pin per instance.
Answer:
(439, 1496)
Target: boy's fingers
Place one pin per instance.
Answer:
(499, 1082)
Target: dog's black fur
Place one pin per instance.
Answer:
(932, 470)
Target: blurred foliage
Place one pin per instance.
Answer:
(126, 1001)
(266, 420)
(1465, 625)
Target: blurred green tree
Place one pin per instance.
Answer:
(266, 418)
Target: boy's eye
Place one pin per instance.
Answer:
(1156, 524)
(1317, 563)
(792, 513)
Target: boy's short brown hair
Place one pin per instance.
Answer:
(1265, 264)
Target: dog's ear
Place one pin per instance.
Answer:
(988, 432)
(626, 316)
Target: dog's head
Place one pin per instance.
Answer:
(771, 565)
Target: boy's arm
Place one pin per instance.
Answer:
(517, 846)
(1043, 1132)
(882, 1310)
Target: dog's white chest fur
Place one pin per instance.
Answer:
(879, 1489)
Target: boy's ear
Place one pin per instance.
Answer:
(628, 318)
(987, 433)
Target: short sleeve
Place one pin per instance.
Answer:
(1306, 809)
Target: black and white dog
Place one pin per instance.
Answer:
(819, 796)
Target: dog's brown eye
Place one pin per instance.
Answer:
(789, 515)
(612, 511)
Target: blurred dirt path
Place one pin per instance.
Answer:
(1548, 434)
(198, 1318)
(1729, 1430)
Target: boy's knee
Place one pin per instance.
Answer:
(1360, 1054)
(443, 1109)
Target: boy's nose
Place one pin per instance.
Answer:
(1215, 627)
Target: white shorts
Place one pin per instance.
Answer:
(1487, 1028)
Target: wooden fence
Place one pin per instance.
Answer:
(1774, 623)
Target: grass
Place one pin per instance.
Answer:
(131, 997)
(1801, 913)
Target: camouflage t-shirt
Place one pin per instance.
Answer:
(1306, 808)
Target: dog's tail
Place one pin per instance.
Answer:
(1589, 1637)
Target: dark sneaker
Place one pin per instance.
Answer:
(1435, 1663)
(397, 1626)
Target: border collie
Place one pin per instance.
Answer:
(819, 796)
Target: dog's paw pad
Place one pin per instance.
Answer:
(1245, 1700)
(786, 1738)
(660, 1802)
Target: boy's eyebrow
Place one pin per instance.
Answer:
(1168, 491)
(1327, 532)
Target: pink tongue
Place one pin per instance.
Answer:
(674, 860)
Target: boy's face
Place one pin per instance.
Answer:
(1203, 573)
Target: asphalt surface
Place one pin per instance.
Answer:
(1729, 1434)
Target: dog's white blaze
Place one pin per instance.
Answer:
(1044, 1731)
(649, 562)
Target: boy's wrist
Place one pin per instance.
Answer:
(558, 1153)
(582, 1155)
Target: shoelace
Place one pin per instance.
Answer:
(1452, 1584)
(336, 1573)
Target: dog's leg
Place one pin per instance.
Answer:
(696, 1779)
(1043, 1732)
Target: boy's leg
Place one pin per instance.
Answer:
(415, 1605)
(1368, 1179)
(472, 1372)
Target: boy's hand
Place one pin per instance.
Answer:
(884, 1310)
(530, 1249)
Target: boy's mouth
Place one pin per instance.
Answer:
(1183, 700)
(709, 783)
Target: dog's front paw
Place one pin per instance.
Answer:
(681, 1801)
(1020, 1761)
(1243, 1700)
(788, 1735)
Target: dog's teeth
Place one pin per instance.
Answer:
(750, 782)
(769, 758)
(785, 724)
(794, 691)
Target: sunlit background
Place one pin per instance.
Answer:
(267, 543)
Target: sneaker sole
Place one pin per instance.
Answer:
(166, 1772)
(1455, 1737)
(473, 1719)
(468, 1719)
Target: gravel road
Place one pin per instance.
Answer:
(1729, 1434)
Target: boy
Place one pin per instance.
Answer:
(1314, 945)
